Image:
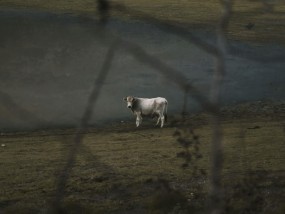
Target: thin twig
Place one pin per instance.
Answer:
(65, 173)
(216, 193)
(167, 27)
(169, 73)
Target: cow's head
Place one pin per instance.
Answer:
(130, 101)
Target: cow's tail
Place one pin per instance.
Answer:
(165, 111)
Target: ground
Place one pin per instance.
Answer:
(123, 169)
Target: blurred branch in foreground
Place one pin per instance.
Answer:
(216, 192)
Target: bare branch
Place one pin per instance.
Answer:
(103, 8)
(216, 192)
(188, 36)
(168, 72)
(65, 173)
(167, 27)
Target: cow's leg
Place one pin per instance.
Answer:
(158, 119)
(162, 120)
(139, 119)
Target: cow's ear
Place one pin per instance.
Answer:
(125, 98)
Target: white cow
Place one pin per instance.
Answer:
(148, 107)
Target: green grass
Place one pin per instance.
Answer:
(195, 14)
(123, 169)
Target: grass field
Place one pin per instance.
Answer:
(122, 169)
(268, 19)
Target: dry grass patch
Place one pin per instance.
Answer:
(124, 169)
(252, 21)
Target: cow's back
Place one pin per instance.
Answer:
(150, 106)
